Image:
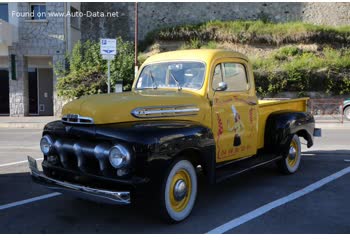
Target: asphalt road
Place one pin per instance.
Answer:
(253, 195)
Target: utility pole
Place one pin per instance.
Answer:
(136, 36)
(109, 75)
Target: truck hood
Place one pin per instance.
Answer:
(138, 105)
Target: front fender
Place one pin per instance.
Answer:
(281, 126)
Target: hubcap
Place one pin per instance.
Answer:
(292, 152)
(292, 156)
(180, 190)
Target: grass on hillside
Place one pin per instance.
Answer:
(256, 32)
(289, 67)
(292, 69)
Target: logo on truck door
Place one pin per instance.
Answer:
(237, 127)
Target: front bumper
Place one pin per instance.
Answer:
(99, 195)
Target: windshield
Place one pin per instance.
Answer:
(172, 75)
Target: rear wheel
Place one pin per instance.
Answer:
(291, 162)
(179, 191)
(347, 113)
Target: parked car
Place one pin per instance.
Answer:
(189, 111)
(346, 109)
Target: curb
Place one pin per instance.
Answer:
(23, 125)
(333, 125)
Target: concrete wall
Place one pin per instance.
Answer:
(157, 15)
(44, 38)
(95, 28)
(74, 34)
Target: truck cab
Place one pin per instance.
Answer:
(189, 112)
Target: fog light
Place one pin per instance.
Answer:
(119, 156)
(122, 172)
(46, 143)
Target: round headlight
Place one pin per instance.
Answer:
(119, 156)
(46, 143)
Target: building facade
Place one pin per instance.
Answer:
(34, 38)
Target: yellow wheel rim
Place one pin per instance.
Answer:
(180, 205)
(293, 158)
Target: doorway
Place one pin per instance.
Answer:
(33, 91)
(4, 92)
(40, 87)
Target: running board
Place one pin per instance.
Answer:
(233, 168)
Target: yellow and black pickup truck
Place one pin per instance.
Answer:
(189, 112)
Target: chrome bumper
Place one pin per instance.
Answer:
(99, 195)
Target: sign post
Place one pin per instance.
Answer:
(108, 50)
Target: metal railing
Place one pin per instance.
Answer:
(327, 109)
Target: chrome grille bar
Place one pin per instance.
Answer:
(165, 111)
(77, 119)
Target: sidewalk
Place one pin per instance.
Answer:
(335, 125)
(39, 123)
(25, 122)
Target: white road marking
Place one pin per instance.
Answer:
(16, 163)
(268, 207)
(26, 201)
(346, 160)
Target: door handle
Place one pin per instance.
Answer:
(251, 103)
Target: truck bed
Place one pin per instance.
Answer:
(266, 107)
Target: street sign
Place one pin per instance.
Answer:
(108, 57)
(108, 50)
(108, 46)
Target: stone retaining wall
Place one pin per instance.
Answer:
(158, 15)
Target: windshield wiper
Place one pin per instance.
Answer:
(177, 82)
(154, 85)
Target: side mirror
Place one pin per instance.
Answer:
(222, 86)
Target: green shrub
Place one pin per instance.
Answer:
(192, 44)
(210, 45)
(289, 51)
(295, 70)
(87, 72)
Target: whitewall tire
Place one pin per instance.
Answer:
(290, 164)
(179, 191)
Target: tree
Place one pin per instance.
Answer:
(86, 72)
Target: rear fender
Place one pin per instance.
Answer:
(281, 126)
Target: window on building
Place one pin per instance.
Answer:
(38, 11)
(235, 77)
(4, 11)
(74, 19)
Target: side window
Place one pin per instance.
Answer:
(235, 77)
(217, 76)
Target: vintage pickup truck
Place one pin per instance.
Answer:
(189, 112)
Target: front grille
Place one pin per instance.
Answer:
(82, 156)
(77, 119)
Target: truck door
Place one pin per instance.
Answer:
(234, 111)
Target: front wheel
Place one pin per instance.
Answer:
(347, 113)
(179, 191)
(291, 162)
